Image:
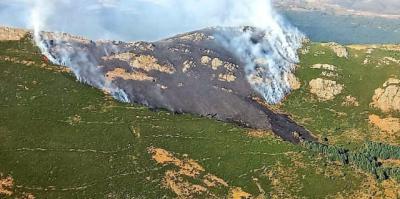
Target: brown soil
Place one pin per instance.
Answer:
(162, 156)
(388, 129)
(390, 162)
(187, 167)
(238, 193)
(389, 126)
(176, 179)
(181, 187)
(12, 34)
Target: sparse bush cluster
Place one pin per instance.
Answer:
(366, 159)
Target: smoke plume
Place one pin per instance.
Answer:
(269, 50)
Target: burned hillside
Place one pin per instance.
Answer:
(189, 73)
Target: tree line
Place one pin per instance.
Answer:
(366, 159)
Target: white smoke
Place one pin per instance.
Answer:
(68, 54)
(269, 59)
(41, 11)
(270, 56)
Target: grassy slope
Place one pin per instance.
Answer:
(60, 138)
(342, 125)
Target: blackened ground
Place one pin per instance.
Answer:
(205, 78)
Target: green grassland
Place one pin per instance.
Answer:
(342, 125)
(63, 139)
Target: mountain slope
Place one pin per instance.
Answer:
(61, 138)
(189, 73)
(367, 85)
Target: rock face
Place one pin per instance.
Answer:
(387, 98)
(338, 49)
(324, 66)
(12, 34)
(350, 101)
(294, 82)
(325, 89)
(188, 73)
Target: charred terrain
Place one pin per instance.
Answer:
(64, 139)
(189, 73)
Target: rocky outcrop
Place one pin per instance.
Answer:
(338, 49)
(328, 70)
(187, 65)
(325, 89)
(122, 73)
(324, 66)
(6, 185)
(226, 77)
(350, 101)
(196, 36)
(294, 82)
(150, 63)
(215, 63)
(387, 98)
(144, 62)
